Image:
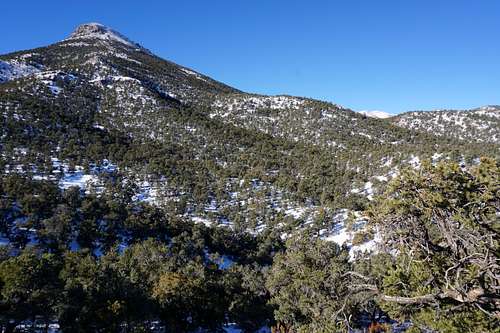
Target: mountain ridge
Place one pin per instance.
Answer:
(139, 195)
(90, 98)
(481, 124)
(95, 30)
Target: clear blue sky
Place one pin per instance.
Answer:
(390, 55)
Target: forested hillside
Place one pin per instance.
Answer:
(139, 195)
(479, 125)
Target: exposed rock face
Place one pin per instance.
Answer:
(97, 30)
(89, 29)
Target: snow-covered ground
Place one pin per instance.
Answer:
(147, 192)
(376, 114)
(480, 125)
(79, 177)
(242, 193)
(367, 190)
(252, 103)
(341, 234)
(15, 69)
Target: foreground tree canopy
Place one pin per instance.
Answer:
(442, 226)
(437, 264)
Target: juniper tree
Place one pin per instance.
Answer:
(441, 225)
(309, 288)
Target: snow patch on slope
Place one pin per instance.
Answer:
(342, 234)
(252, 103)
(479, 125)
(376, 114)
(191, 73)
(15, 69)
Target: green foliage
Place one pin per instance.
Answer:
(101, 261)
(29, 286)
(443, 221)
(308, 286)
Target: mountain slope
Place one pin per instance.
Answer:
(96, 52)
(480, 125)
(215, 153)
(129, 82)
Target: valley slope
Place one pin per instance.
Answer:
(217, 154)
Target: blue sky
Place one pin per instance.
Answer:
(390, 55)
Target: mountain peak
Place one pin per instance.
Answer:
(376, 114)
(89, 29)
(489, 108)
(100, 31)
